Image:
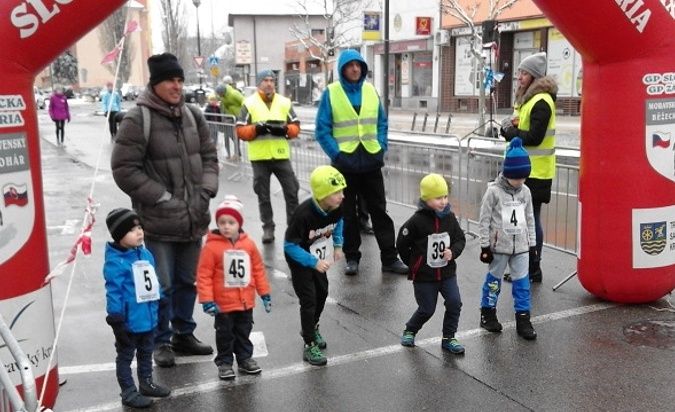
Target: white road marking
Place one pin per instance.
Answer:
(301, 367)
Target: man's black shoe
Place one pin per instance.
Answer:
(249, 366)
(352, 268)
(164, 356)
(396, 266)
(189, 345)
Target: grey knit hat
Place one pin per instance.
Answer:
(534, 64)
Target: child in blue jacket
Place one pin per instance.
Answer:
(132, 301)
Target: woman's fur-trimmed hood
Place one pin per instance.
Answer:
(546, 84)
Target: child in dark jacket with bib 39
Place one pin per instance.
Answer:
(429, 243)
(229, 273)
(315, 222)
(507, 236)
(132, 302)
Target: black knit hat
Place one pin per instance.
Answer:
(120, 221)
(164, 66)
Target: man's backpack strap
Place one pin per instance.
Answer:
(147, 118)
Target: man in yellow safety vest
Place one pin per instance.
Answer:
(267, 120)
(351, 128)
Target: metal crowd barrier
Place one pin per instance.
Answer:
(229, 146)
(469, 164)
(10, 399)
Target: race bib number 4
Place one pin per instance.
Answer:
(513, 218)
(437, 243)
(236, 268)
(145, 281)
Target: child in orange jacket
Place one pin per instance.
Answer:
(229, 273)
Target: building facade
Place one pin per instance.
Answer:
(520, 32)
(260, 43)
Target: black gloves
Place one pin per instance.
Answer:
(261, 129)
(116, 322)
(486, 255)
(277, 129)
(533, 255)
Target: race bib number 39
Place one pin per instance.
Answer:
(513, 218)
(145, 281)
(437, 243)
(236, 268)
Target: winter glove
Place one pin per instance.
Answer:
(533, 255)
(267, 302)
(509, 132)
(210, 308)
(116, 322)
(486, 255)
(261, 129)
(277, 129)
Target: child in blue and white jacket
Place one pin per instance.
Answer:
(132, 302)
(507, 234)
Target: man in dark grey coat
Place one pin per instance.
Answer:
(165, 160)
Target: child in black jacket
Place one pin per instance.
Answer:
(429, 243)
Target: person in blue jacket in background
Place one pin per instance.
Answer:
(351, 127)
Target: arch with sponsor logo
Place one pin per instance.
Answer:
(626, 219)
(33, 35)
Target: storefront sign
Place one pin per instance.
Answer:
(564, 63)
(371, 25)
(423, 26)
(464, 68)
(243, 52)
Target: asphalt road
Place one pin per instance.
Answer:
(590, 355)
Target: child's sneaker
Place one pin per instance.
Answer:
(408, 338)
(226, 372)
(313, 355)
(131, 397)
(249, 366)
(318, 339)
(149, 388)
(452, 345)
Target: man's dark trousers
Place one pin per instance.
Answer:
(370, 187)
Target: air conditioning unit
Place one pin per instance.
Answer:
(441, 37)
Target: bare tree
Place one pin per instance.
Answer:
(64, 69)
(112, 30)
(174, 32)
(467, 14)
(339, 17)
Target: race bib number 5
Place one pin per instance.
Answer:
(237, 268)
(513, 218)
(436, 245)
(145, 281)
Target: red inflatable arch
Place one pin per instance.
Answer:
(33, 33)
(627, 177)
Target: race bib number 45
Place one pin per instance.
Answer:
(236, 268)
(145, 281)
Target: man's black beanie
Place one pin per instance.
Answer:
(164, 66)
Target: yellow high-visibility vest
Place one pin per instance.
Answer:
(268, 147)
(350, 128)
(542, 157)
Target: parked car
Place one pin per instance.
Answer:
(193, 94)
(39, 98)
(130, 92)
(91, 94)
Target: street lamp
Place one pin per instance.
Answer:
(199, 44)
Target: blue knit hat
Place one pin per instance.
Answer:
(262, 74)
(517, 161)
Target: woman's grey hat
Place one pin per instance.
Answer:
(534, 64)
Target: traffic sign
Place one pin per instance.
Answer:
(215, 71)
(199, 61)
(213, 60)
